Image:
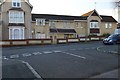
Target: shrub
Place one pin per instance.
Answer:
(106, 35)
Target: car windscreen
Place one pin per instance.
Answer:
(112, 36)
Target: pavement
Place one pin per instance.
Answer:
(110, 74)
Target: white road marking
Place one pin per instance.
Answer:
(47, 52)
(74, 55)
(36, 53)
(26, 55)
(4, 57)
(31, 68)
(57, 51)
(14, 56)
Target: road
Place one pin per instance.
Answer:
(74, 60)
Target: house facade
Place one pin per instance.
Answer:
(19, 23)
(16, 19)
(63, 26)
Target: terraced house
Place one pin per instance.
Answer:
(19, 23)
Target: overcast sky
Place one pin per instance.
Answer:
(73, 7)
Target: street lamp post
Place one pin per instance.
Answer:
(117, 5)
(118, 28)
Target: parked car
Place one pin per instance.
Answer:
(112, 39)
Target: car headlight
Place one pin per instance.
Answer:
(110, 40)
(105, 39)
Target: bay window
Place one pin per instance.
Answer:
(16, 17)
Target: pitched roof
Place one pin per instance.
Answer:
(107, 18)
(92, 13)
(67, 17)
(88, 13)
(57, 17)
(104, 18)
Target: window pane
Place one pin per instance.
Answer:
(18, 4)
(106, 25)
(110, 25)
(14, 4)
(16, 34)
(94, 25)
(91, 25)
(16, 17)
(40, 22)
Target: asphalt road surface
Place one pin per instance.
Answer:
(74, 60)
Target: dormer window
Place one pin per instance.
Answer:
(16, 3)
(40, 22)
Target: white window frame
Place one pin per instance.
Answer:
(16, 2)
(108, 25)
(40, 22)
(21, 32)
(16, 17)
(92, 25)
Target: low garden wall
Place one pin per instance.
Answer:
(81, 39)
(26, 42)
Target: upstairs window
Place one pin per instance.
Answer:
(16, 3)
(52, 24)
(67, 24)
(16, 17)
(108, 25)
(94, 25)
(40, 22)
